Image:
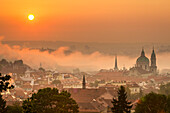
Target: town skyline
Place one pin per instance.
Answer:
(85, 56)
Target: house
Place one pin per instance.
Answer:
(134, 88)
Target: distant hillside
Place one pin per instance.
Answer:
(13, 67)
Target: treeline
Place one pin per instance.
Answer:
(150, 103)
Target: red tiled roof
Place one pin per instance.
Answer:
(85, 95)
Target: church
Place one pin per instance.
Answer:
(144, 66)
(143, 62)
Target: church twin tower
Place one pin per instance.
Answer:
(153, 67)
(143, 62)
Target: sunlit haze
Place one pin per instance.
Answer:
(86, 21)
(85, 56)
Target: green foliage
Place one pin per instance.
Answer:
(152, 103)
(168, 104)
(16, 108)
(165, 89)
(50, 101)
(56, 82)
(121, 105)
(2, 105)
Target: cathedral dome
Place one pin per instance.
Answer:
(143, 59)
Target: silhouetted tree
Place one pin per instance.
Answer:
(4, 85)
(168, 104)
(121, 105)
(15, 108)
(152, 103)
(50, 101)
(2, 105)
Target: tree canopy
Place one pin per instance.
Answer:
(50, 101)
(2, 105)
(121, 105)
(4, 84)
(152, 103)
(165, 89)
(15, 108)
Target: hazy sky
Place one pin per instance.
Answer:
(86, 20)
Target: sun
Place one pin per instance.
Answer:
(31, 17)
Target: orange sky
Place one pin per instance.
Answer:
(86, 20)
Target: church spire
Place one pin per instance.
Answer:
(84, 82)
(153, 58)
(116, 67)
(142, 53)
(153, 53)
(153, 61)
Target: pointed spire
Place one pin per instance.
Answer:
(153, 53)
(153, 61)
(116, 67)
(84, 82)
(142, 53)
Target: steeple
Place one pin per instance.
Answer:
(153, 62)
(142, 53)
(84, 82)
(116, 67)
(153, 53)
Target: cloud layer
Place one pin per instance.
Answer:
(60, 61)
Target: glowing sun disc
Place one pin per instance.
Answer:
(30, 17)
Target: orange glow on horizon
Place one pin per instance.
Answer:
(84, 20)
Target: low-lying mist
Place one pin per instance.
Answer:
(60, 61)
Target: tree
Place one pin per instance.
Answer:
(165, 89)
(15, 108)
(4, 85)
(168, 104)
(121, 105)
(152, 103)
(49, 100)
(2, 105)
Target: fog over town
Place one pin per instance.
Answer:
(65, 56)
(84, 56)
